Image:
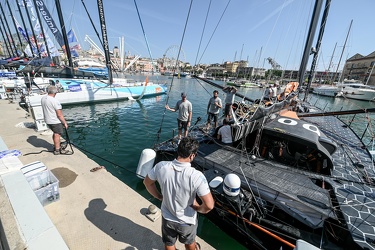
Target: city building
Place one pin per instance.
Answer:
(360, 67)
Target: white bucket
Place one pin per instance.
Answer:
(146, 162)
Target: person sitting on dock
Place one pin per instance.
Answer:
(179, 212)
(225, 133)
(213, 109)
(229, 100)
(59, 86)
(185, 113)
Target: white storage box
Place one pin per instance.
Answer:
(42, 181)
(45, 186)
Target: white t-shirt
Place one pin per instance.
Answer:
(226, 134)
(274, 91)
(49, 106)
(179, 183)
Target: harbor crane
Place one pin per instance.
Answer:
(273, 63)
(275, 66)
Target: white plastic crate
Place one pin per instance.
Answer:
(45, 185)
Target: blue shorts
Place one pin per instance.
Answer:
(185, 233)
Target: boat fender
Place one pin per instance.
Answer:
(215, 182)
(232, 184)
(146, 162)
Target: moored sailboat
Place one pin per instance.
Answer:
(301, 174)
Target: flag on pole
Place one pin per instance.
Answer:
(71, 37)
(21, 31)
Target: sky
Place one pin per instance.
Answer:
(215, 31)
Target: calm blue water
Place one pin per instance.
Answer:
(115, 133)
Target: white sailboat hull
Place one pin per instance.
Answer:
(326, 91)
(357, 90)
(89, 91)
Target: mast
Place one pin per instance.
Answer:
(317, 48)
(105, 40)
(122, 53)
(32, 28)
(14, 23)
(5, 41)
(24, 25)
(9, 32)
(92, 23)
(330, 62)
(342, 52)
(309, 41)
(42, 29)
(62, 24)
(369, 75)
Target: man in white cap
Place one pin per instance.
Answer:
(185, 114)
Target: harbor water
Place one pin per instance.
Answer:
(114, 133)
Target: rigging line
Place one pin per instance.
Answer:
(290, 51)
(148, 48)
(204, 27)
(92, 23)
(217, 25)
(111, 162)
(71, 15)
(273, 28)
(200, 83)
(144, 33)
(251, 190)
(178, 56)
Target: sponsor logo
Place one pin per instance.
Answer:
(75, 88)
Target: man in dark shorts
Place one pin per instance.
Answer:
(213, 109)
(179, 212)
(185, 113)
(54, 118)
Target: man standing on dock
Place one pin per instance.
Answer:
(53, 116)
(185, 114)
(179, 212)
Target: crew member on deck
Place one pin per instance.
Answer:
(229, 100)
